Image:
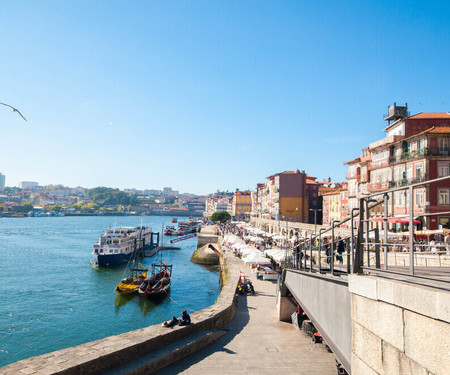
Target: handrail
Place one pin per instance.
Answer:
(376, 254)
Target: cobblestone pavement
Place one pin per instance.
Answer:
(258, 343)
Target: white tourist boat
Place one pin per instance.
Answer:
(118, 244)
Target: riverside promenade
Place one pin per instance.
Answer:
(257, 342)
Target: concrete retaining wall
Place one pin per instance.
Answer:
(399, 328)
(101, 355)
(326, 300)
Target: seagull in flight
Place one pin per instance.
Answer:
(14, 110)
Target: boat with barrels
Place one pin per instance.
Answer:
(158, 285)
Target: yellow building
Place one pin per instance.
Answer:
(242, 204)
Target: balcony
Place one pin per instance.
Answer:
(408, 181)
(435, 151)
(378, 163)
(378, 186)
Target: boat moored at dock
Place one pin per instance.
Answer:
(118, 244)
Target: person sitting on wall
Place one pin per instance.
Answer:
(185, 319)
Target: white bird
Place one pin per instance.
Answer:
(14, 110)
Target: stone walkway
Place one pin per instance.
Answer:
(258, 343)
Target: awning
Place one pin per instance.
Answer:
(397, 219)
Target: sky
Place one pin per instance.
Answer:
(208, 95)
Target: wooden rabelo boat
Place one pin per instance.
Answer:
(158, 284)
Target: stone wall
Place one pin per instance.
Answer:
(398, 327)
(99, 356)
(204, 239)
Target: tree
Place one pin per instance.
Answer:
(220, 216)
(24, 208)
(170, 200)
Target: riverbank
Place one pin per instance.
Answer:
(177, 214)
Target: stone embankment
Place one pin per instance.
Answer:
(208, 251)
(144, 350)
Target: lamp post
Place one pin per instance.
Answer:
(315, 217)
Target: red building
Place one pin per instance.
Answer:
(416, 149)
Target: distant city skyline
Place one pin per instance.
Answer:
(208, 96)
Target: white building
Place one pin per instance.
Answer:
(168, 192)
(28, 184)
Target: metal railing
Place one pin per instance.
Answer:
(371, 247)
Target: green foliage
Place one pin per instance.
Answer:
(107, 196)
(24, 208)
(55, 207)
(147, 201)
(170, 200)
(220, 216)
(91, 207)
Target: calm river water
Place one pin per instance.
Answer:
(53, 298)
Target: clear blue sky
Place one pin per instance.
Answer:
(207, 95)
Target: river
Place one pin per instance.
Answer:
(55, 299)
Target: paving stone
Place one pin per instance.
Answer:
(258, 343)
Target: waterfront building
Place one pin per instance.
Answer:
(218, 203)
(241, 204)
(331, 206)
(416, 148)
(283, 197)
(2, 181)
(314, 200)
(345, 213)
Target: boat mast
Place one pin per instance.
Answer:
(162, 240)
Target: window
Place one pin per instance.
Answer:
(419, 171)
(396, 174)
(443, 146)
(420, 146)
(419, 197)
(396, 198)
(409, 172)
(443, 169)
(444, 196)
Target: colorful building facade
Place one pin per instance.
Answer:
(416, 149)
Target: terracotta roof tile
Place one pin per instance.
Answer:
(431, 115)
(440, 129)
(358, 159)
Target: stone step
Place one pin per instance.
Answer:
(157, 359)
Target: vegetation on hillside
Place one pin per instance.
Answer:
(108, 196)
